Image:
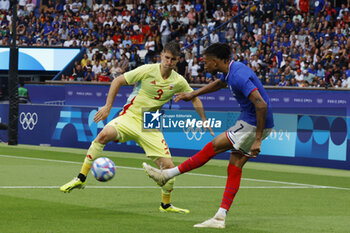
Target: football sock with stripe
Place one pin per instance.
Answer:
(198, 159)
(166, 192)
(95, 151)
(232, 185)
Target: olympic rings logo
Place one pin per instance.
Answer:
(196, 133)
(28, 120)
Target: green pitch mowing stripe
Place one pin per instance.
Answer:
(28, 215)
(132, 168)
(29, 161)
(261, 205)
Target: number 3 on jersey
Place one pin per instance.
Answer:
(160, 93)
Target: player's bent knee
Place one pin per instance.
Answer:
(221, 143)
(106, 135)
(103, 137)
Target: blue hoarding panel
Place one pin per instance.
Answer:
(282, 139)
(296, 139)
(4, 112)
(46, 94)
(94, 95)
(306, 102)
(311, 127)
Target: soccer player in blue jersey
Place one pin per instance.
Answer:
(244, 138)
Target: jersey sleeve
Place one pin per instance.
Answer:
(246, 86)
(184, 86)
(136, 75)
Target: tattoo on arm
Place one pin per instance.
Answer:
(259, 104)
(258, 100)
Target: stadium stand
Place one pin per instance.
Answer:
(302, 43)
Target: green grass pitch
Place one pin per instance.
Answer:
(272, 198)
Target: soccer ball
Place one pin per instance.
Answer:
(103, 169)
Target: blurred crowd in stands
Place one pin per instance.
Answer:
(303, 43)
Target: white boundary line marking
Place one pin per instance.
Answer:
(155, 187)
(194, 174)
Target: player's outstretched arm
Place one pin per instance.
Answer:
(198, 106)
(112, 93)
(261, 111)
(211, 87)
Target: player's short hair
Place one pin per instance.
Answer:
(173, 48)
(219, 50)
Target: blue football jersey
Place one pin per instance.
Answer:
(242, 81)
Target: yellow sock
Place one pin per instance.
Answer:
(85, 169)
(166, 198)
(166, 191)
(95, 151)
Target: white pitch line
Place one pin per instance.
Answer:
(29, 158)
(193, 174)
(155, 187)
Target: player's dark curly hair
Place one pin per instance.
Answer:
(172, 47)
(219, 50)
